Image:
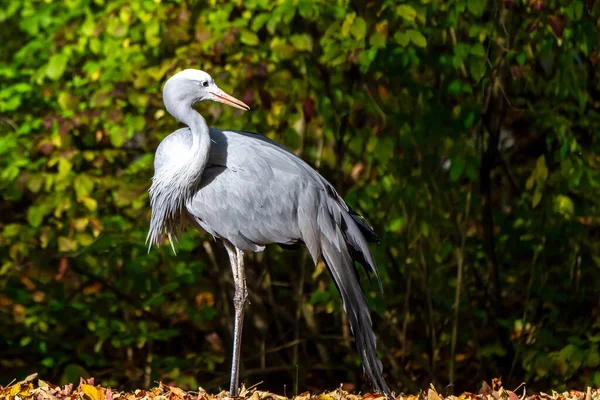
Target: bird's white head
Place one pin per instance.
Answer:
(190, 86)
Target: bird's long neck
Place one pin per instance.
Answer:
(186, 170)
(175, 185)
(200, 150)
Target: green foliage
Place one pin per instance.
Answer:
(466, 131)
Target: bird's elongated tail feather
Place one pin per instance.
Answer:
(357, 233)
(366, 229)
(338, 258)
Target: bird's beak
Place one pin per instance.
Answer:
(222, 97)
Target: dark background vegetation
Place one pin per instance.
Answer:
(466, 131)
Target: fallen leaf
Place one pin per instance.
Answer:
(432, 395)
(496, 384)
(303, 396)
(178, 392)
(29, 378)
(485, 389)
(93, 392)
(327, 397)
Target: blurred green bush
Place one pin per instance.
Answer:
(465, 130)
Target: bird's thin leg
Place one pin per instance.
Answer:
(240, 299)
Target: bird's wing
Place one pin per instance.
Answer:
(255, 183)
(249, 191)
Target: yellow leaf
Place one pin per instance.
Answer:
(56, 140)
(319, 268)
(564, 205)
(324, 397)
(530, 182)
(67, 101)
(93, 392)
(406, 12)
(347, 24)
(89, 203)
(359, 28)
(14, 390)
(20, 389)
(7, 266)
(64, 167)
(541, 171)
(15, 250)
(125, 15)
(85, 239)
(537, 197)
(80, 224)
(248, 37)
(417, 38)
(159, 114)
(65, 244)
(329, 308)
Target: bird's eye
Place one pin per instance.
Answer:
(205, 83)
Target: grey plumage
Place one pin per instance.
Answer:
(249, 191)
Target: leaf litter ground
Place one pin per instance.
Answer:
(32, 388)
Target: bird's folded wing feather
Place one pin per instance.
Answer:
(250, 191)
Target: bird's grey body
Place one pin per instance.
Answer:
(245, 172)
(249, 191)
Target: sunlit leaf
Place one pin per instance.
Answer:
(56, 66)
(66, 245)
(406, 12)
(564, 205)
(402, 38)
(537, 197)
(248, 37)
(359, 28)
(377, 40)
(417, 38)
(93, 392)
